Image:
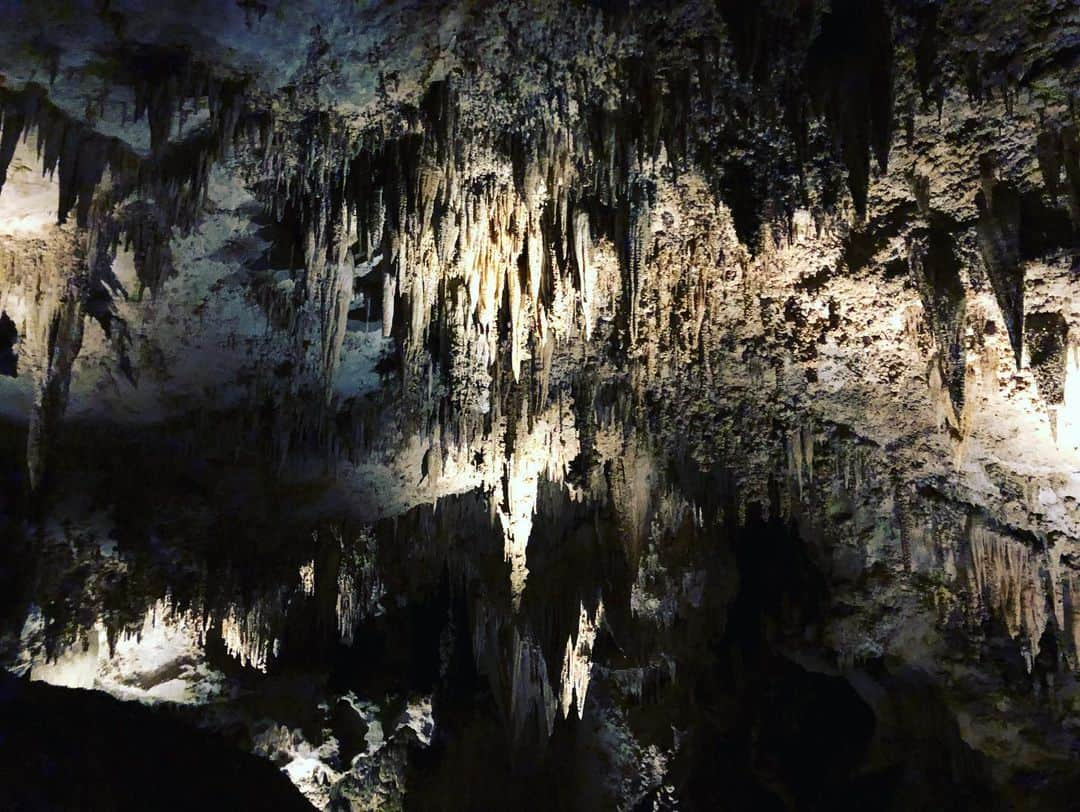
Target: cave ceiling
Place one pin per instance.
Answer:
(585, 405)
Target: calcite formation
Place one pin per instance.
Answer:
(576, 404)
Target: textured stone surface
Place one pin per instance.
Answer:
(685, 396)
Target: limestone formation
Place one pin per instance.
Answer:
(559, 405)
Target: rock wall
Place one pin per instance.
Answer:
(601, 368)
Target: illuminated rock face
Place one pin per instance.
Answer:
(586, 404)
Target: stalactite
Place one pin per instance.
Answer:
(577, 662)
(1008, 583)
(544, 450)
(248, 633)
(175, 176)
(306, 576)
(532, 703)
(78, 157)
(43, 293)
(634, 258)
(936, 270)
(849, 67)
(586, 274)
(51, 393)
(1070, 156)
(507, 220)
(999, 243)
(359, 588)
(800, 455)
(1048, 150)
(69, 150)
(1067, 610)
(1046, 337)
